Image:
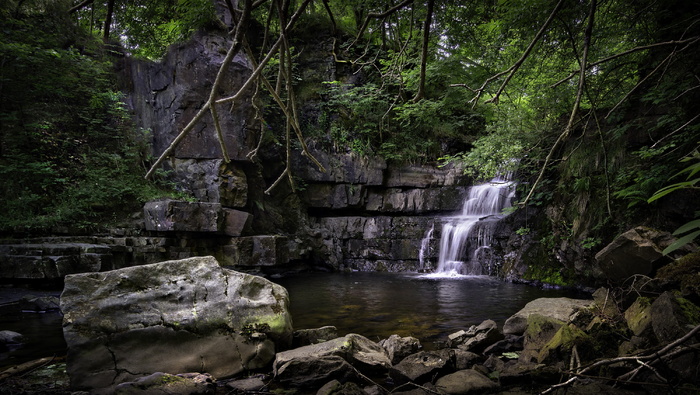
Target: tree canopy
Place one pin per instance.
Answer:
(593, 101)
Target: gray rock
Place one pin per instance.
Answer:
(466, 359)
(165, 96)
(476, 338)
(423, 176)
(10, 340)
(334, 387)
(175, 316)
(312, 372)
(305, 337)
(360, 352)
(465, 382)
(669, 319)
(637, 251)
(52, 260)
(236, 222)
(173, 215)
(250, 384)
(39, 303)
(168, 384)
(557, 308)
(257, 251)
(422, 366)
(398, 347)
(340, 168)
(212, 181)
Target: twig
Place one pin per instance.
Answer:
(512, 69)
(577, 102)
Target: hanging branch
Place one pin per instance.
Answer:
(688, 41)
(577, 102)
(378, 15)
(512, 69)
(234, 49)
(664, 62)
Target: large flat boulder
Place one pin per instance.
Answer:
(190, 315)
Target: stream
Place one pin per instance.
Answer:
(378, 305)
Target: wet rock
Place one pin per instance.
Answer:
(168, 384)
(250, 384)
(398, 347)
(312, 372)
(212, 181)
(119, 325)
(540, 330)
(465, 382)
(335, 387)
(52, 260)
(10, 340)
(466, 359)
(360, 352)
(637, 251)
(305, 337)
(422, 366)
(672, 317)
(476, 338)
(39, 303)
(165, 96)
(257, 251)
(559, 309)
(172, 215)
(510, 343)
(638, 316)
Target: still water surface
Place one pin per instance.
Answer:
(378, 305)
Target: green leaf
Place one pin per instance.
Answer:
(687, 227)
(681, 242)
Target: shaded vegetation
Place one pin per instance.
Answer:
(70, 157)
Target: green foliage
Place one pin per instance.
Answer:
(69, 155)
(691, 230)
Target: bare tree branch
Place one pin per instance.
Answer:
(689, 41)
(80, 6)
(512, 69)
(577, 102)
(377, 15)
(234, 49)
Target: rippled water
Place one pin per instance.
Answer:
(377, 305)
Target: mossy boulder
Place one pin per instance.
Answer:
(190, 315)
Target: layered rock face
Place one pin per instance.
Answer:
(190, 315)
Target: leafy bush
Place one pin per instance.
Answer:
(69, 155)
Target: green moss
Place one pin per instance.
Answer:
(690, 311)
(546, 275)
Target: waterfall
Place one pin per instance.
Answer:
(424, 246)
(466, 238)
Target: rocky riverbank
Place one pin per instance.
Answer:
(642, 338)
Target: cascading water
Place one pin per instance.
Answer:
(424, 246)
(466, 238)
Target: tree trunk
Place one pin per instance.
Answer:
(424, 52)
(108, 19)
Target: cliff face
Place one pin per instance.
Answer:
(361, 214)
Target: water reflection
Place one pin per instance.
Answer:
(380, 304)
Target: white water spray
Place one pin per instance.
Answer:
(424, 246)
(466, 238)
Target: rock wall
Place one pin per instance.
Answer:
(361, 214)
